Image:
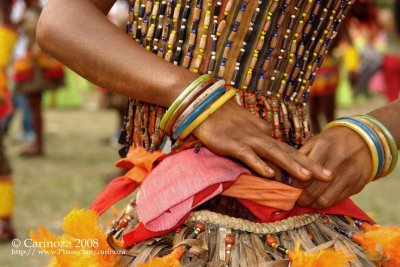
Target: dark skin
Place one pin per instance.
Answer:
(84, 46)
(347, 155)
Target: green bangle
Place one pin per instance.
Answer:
(182, 97)
(390, 139)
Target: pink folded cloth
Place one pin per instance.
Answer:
(167, 194)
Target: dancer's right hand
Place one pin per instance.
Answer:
(232, 131)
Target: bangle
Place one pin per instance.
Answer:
(384, 142)
(196, 103)
(185, 103)
(375, 139)
(389, 138)
(367, 139)
(214, 107)
(220, 91)
(182, 97)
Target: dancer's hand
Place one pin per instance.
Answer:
(346, 154)
(233, 131)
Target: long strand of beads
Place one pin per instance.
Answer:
(231, 39)
(203, 38)
(193, 33)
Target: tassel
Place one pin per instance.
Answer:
(84, 244)
(381, 243)
(324, 258)
(171, 260)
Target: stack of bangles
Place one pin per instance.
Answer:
(380, 141)
(194, 105)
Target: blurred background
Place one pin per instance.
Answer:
(61, 135)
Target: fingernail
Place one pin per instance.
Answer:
(270, 171)
(326, 172)
(305, 172)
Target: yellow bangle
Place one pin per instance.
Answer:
(367, 139)
(389, 138)
(181, 98)
(203, 116)
(384, 142)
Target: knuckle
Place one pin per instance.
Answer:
(242, 152)
(271, 146)
(264, 126)
(324, 202)
(291, 151)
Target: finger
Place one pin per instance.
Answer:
(316, 167)
(308, 146)
(269, 149)
(312, 192)
(349, 182)
(249, 158)
(339, 190)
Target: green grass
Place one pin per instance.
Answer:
(73, 172)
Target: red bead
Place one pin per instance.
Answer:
(200, 227)
(271, 240)
(229, 239)
(123, 223)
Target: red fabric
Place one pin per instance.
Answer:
(6, 105)
(345, 207)
(52, 74)
(141, 233)
(391, 71)
(116, 190)
(22, 76)
(124, 164)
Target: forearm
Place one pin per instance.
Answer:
(78, 33)
(389, 115)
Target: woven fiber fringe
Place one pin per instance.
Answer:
(250, 249)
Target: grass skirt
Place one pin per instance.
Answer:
(312, 233)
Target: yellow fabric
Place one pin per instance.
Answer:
(6, 198)
(351, 58)
(8, 37)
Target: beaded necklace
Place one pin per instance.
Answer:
(269, 50)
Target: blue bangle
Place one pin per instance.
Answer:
(374, 138)
(208, 101)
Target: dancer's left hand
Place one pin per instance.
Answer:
(346, 154)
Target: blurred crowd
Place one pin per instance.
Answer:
(365, 61)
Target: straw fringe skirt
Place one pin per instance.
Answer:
(313, 232)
